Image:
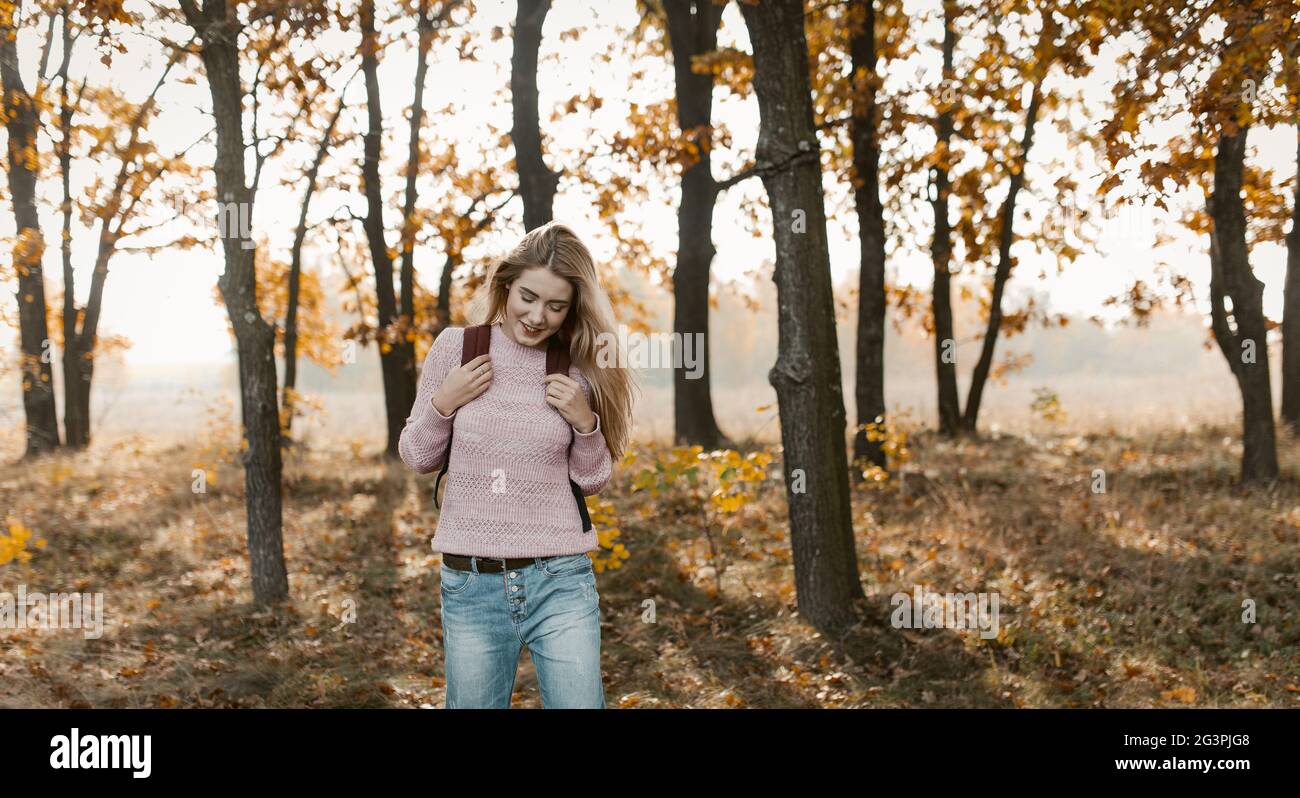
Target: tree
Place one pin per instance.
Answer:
(537, 183)
(693, 32)
(295, 268)
(1291, 310)
(865, 126)
(945, 360)
(807, 372)
(869, 373)
(1059, 42)
(467, 181)
(1177, 71)
(991, 84)
(118, 204)
(396, 333)
(1291, 293)
(396, 353)
(19, 113)
(1232, 279)
(218, 29)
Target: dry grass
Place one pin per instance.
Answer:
(1130, 598)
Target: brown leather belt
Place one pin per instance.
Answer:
(462, 562)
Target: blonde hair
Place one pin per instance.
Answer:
(556, 247)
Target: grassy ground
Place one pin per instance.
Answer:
(1131, 598)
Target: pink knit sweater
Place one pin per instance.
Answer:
(507, 487)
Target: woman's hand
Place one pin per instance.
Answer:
(565, 395)
(463, 384)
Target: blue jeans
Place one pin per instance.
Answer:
(551, 606)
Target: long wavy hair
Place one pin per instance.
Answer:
(556, 247)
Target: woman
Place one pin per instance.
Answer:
(514, 566)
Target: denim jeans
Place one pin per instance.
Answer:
(551, 606)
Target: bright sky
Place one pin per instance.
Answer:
(164, 303)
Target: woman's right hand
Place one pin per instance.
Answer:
(463, 384)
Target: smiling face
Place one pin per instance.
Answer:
(537, 304)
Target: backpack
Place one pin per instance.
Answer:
(478, 340)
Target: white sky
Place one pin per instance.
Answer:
(164, 304)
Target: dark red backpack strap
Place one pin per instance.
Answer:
(477, 341)
(557, 362)
(557, 357)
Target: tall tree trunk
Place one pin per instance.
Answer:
(1006, 236)
(945, 341)
(537, 182)
(396, 357)
(34, 336)
(807, 371)
(442, 310)
(869, 372)
(82, 349)
(1291, 311)
(255, 338)
(81, 326)
(1246, 347)
(77, 363)
(693, 30)
(404, 345)
(295, 272)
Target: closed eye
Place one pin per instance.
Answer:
(528, 297)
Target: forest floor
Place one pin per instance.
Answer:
(1131, 597)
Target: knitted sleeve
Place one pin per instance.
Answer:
(423, 442)
(590, 464)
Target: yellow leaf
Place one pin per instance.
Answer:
(1186, 695)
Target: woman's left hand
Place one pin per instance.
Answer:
(565, 395)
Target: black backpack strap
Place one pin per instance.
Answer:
(557, 362)
(436, 501)
(582, 503)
